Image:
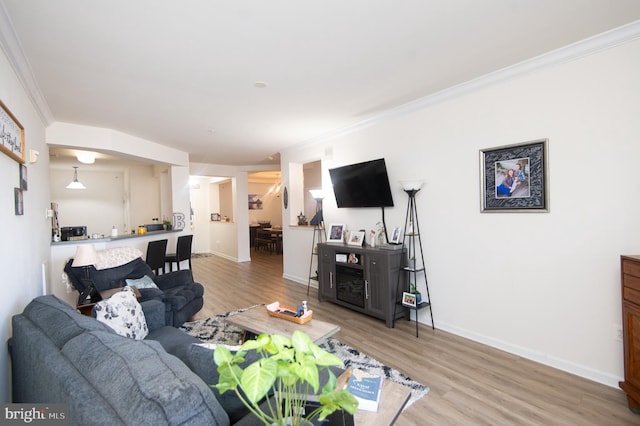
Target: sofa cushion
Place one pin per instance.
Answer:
(59, 320)
(123, 314)
(179, 297)
(199, 358)
(151, 384)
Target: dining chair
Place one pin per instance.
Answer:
(183, 252)
(264, 239)
(156, 251)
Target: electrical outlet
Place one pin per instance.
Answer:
(618, 332)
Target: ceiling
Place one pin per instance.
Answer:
(189, 74)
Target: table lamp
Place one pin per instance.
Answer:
(85, 257)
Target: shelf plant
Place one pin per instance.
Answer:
(287, 371)
(414, 290)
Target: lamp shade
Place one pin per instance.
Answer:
(75, 184)
(411, 184)
(85, 255)
(317, 194)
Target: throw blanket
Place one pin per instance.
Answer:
(108, 258)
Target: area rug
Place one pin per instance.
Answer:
(216, 330)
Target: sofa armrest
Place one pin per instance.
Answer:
(154, 313)
(174, 279)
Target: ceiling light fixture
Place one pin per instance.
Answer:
(75, 184)
(260, 84)
(86, 157)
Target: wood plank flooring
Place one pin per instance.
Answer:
(471, 384)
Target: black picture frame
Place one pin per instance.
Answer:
(24, 184)
(500, 187)
(18, 201)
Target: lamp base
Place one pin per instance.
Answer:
(89, 295)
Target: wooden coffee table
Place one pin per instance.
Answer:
(257, 321)
(393, 399)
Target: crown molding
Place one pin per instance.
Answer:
(603, 41)
(12, 48)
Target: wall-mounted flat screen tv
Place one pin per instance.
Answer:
(362, 185)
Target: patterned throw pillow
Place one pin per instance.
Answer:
(144, 282)
(123, 314)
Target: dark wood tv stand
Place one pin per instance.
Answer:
(367, 286)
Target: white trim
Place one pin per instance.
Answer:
(606, 40)
(539, 357)
(12, 48)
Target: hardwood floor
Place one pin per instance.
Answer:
(471, 384)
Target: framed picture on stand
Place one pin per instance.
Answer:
(396, 235)
(356, 238)
(336, 231)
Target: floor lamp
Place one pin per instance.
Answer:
(318, 232)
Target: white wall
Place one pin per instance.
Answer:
(24, 252)
(104, 194)
(144, 195)
(271, 204)
(542, 285)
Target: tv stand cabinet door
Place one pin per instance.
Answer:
(375, 276)
(326, 274)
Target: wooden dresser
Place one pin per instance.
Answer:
(630, 267)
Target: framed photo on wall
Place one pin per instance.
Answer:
(23, 177)
(18, 201)
(514, 178)
(336, 233)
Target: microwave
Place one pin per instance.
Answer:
(70, 233)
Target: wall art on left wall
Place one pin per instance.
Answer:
(11, 134)
(19, 203)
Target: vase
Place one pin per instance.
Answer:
(418, 298)
(288, 422)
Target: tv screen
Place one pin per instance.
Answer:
(362, 185)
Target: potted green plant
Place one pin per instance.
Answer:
(287, 371)
(167, 225)
(415, 291)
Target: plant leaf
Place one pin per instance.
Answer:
(258, 378)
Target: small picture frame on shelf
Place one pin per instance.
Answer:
(408, 299)
(336, 231)
(356, 238)
(396, 235)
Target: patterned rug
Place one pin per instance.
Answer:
(216, 330)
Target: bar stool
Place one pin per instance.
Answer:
(183, 252)
(156, 255)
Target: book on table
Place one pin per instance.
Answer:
(367, 389)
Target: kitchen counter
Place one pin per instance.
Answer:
(118, 238)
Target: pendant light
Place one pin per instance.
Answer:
(75, 184)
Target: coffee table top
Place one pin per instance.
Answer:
(393, 399)
(258, 321)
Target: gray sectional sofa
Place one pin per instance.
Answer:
(61, 356)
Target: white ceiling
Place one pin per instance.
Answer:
(182, 73)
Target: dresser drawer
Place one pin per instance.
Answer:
(631, 268)
(631, 282)
(631, 295)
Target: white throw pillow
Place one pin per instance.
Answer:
(123, 314)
